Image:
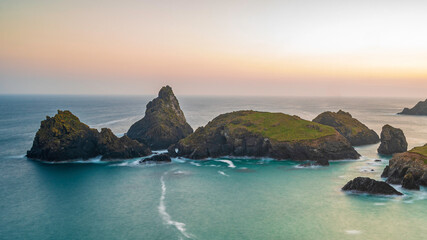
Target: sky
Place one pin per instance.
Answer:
(375, 48)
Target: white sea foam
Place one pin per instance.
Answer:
(379, 204)
(223, 173)
(353, 232)
(165, 215)
(230, 163)
(195, 164)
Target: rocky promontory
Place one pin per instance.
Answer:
(392, 141)
(408, 169)
(370, 186)
(164, 122)
(264, 134)
(419, 109)
(63, 137)
(356, 132)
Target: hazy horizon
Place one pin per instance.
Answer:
(222, 48)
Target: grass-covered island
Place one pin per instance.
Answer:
(408, 168)
(265, 134)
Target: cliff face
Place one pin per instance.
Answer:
(64, 137)
(164, 122)
(263, 134)
(392, 141)
(356, 132)
(419, 109)
(408, 169)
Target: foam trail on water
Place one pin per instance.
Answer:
(165, 216)
(223, 173)
(230, 163)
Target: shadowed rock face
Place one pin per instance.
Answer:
(164, 122)
(64, 137)
(160, 158)
(356, 132)
(408, 169)
(371, 186)
(392, 141)
(419, 109)
(263, 134)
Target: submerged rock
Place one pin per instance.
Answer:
(408, 169)
(392, 141)
(157, 159)
(419, 109)
(356, 132)
(264, 134)
(164, 122)
(371, 186)
(64, 137)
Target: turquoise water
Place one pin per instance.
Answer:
(216, 199)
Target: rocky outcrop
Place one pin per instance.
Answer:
(64, 137)
(419, 109)
(263, 134)
(370, 186)
(164, 122)
(408, 169)
(392, 141)
(160, 158)
(356, 132)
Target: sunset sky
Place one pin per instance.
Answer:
(285, 48)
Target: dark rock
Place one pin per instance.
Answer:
(157, 159)
(164, 122)
(408, 182)
(419, 109)
(408, 169)
(371, 186)
(262, 134)
(377, 160)
(112, 147)
(64, 137)
(356, 132)
(392, 141)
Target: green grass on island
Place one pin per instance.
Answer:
(422, 151)
(275, 126)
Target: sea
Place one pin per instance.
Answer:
(216, 199)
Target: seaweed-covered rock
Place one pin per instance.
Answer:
(408, 168)
(356, 132)
(164, 122)
(64, 137)
(419, 109)
(392, 141)
(264, 134)
(370, 186)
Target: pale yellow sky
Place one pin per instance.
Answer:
(306, 47)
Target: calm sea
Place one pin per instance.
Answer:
(216, 199)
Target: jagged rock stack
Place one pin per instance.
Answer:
(393, 140)
(164, 122)
(356, 132)
(419, 109)
(64, 137)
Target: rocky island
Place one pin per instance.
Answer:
(265, 134)
(63, 137)
(419, 109)
(164, 122)
(370, 186)
(356, 132)
(392, 141)
(408, 169)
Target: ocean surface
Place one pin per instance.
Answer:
(216, 199)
